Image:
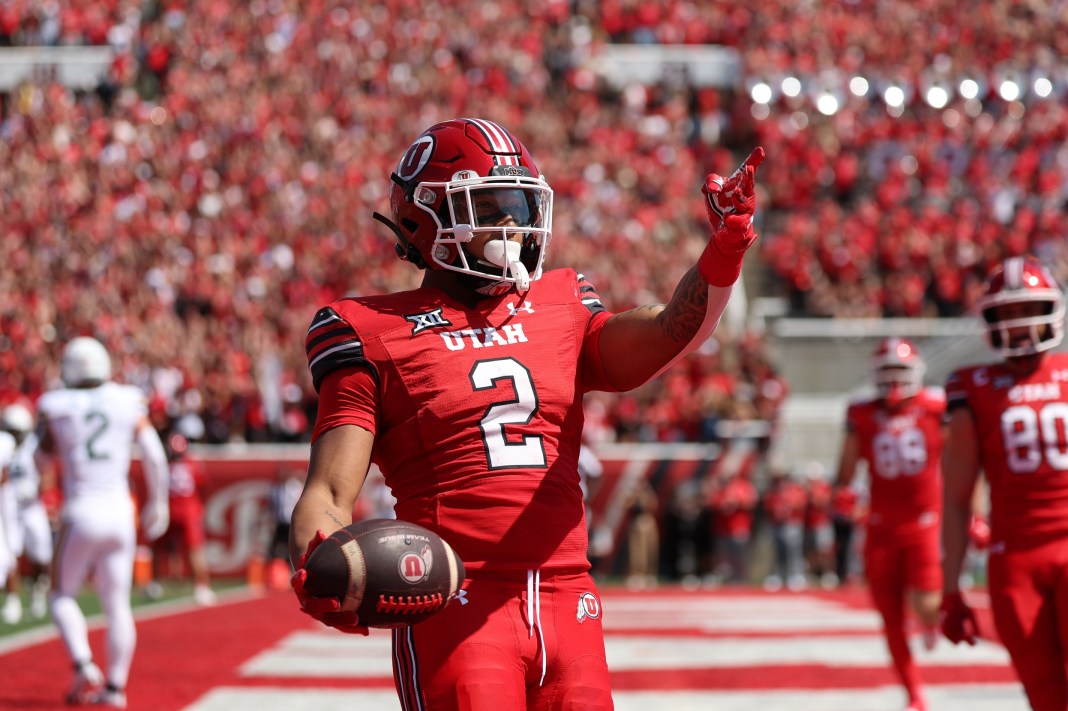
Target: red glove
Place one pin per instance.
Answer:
(979, 532)
(730, 204)
(958, 620)
(324, 609)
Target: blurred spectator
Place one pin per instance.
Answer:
(845, 517)
(686, 539)
(734, 504)
(819, 531)
(784, 504)
(643, 539)
(283, 498)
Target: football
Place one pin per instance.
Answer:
(390, 573)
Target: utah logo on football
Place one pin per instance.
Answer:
(415, 568)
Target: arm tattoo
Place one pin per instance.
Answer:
(683, 315)
(335, 519)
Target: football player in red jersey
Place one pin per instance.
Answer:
(1009, 420)
(900, 435)
(467, 392)
(186, 532)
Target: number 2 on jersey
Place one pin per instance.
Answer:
(97, 423)
(519, 411)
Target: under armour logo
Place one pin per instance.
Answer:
(462, 597)
(513, 310)
(428, 320)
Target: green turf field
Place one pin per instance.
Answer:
(171, 590)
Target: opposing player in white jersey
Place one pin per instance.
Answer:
(30, 532)
(90, 425)
(7, 555)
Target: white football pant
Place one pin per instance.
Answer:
(97, 537)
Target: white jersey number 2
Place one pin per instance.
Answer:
(96, 423)
(501, 453)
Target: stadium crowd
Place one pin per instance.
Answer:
(219, 184)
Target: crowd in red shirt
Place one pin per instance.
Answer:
(195, 210)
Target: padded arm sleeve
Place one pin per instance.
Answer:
(154, 462)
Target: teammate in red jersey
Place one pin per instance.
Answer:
(900, 435)
(186, 531)
(467, 392)
(1010, 421)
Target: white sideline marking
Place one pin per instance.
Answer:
(789, 613)
(986, 697)
(627, 653)
(325, 654)
(316, 654)
(329, 654)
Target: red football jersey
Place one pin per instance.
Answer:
(785, 502)
(903, 448)
(186, 478)
(1022, 431)
(734, 505)
(478, 412)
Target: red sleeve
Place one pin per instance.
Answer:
(852, 418)
(593, 375)
(347, 396)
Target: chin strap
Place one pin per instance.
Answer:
(405, 249)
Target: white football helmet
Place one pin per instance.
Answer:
(85, 361)
(16, 418)
(1019, 282)
(898, 369)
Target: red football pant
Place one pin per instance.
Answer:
(894, 566)
(1029, 599)
(485, 656)
(187, 522)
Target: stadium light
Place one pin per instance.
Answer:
(969, 89)
(935, 86)
(791, 86)
(761, 93)
(827, 104)
(1009, 90)
(894, 96)
(1010, 83)
(859, 86)
(937, 97)
(1042, 87)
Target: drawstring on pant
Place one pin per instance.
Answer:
(534, 616)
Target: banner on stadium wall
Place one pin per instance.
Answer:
(239, 525)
